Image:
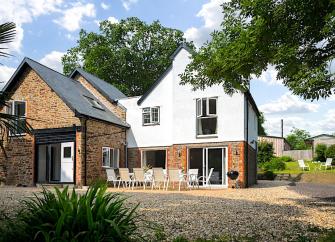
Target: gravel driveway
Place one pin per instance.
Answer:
(270, 211)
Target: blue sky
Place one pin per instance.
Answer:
(47, 28)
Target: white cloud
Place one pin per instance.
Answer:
(72, 17)
(288, 104)
(327, 124)
(212, 15)
(272, 125)
(127, 3)
(5, 73)
(24, 11)
(113, 20)
(104, 6)
(53, 60)
(269, 76)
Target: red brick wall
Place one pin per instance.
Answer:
(177, 158)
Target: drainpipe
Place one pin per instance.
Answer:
(85, 154)
(126, 149)
(246, 148)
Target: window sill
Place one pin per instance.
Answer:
(152, 124)
(204, 136)
(17, 135)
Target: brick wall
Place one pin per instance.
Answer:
(44, 110)
(101, 134)
(177, 158)
(116, 109)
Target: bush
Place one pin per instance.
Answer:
(265, 152)
(286, 158)
(320, 151)
(274, 164)
(330, 153)
(65, 216)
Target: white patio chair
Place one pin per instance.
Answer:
(175, 175)
(125, 178)
(139, 177)
(327, 164)
(193, 177)
(111, 176)
(206, 180)
(158, 178)
(303, 166)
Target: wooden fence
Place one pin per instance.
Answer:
(299, 154)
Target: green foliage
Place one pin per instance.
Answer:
(130, 54)
(330, 153)
(265, 152)
(64, 216)
(286, 158)
(297, 138)
(295, 36)
(261, 120)
(320, 151)
(275, 164)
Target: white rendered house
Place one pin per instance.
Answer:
(174, 126)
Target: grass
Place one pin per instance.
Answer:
(293, 168)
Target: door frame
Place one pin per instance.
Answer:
(72, 145)
(224, 150)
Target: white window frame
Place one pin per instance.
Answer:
(199, 108)
(12, 104)
(113, 160)
(152, 122)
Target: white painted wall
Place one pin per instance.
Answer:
(178, 112)
(252, 127)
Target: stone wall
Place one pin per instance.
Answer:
(101, 134)
(44, 109)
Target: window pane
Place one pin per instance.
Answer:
(111, 157)
(198, 104)
(204, 107)
(212, 106)
(9, 108)
(145, 110)
(20, 109)
(105, 157)
(155, 115)
(67, 152)
(206, 126)
(146, 118)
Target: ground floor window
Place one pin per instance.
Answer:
(110, 157)
(154, 158)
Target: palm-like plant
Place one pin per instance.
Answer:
(9, 121)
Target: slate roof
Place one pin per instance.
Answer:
(320, 135)
(70, 91)
(107, 90)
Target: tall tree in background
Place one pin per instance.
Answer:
(131, 54)
(297, 139)
(295, 36)
(261, 121)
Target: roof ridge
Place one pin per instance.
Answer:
(46, 66)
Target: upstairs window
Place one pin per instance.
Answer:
(206, 112)
(150, 116)
(94, 103)
(18, 109)
(110, 157)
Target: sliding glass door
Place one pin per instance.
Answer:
(211, 164)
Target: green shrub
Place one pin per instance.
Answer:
(320, 151)
(330, 153)
(286, 158)
(274, 164)
(64, 216)
(265, 152)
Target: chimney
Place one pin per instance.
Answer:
(282, 127)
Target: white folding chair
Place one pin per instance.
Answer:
(111, 176)
(125, 178)
(139, 177)
(206, 180)
(175, 175)
(158, 178)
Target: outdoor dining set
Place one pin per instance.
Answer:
(157, 177)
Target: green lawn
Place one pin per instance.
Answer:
(293, 168)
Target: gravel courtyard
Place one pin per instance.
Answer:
(270, 211)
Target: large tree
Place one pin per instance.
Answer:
(295, 36)
(297, 139)
(261, 121)
(130, 54)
